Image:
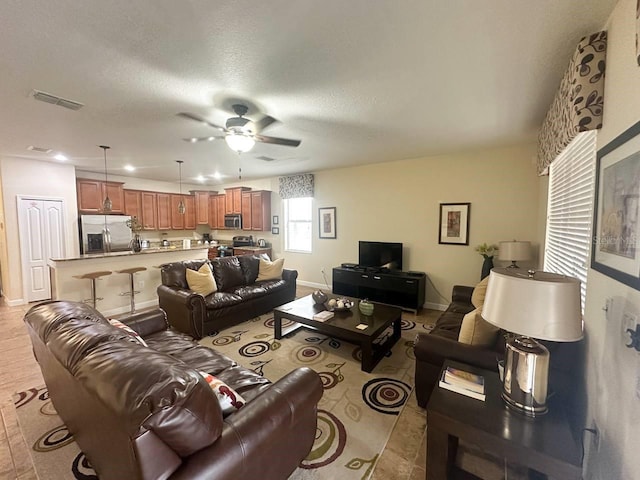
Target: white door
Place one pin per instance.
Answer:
(41, 238)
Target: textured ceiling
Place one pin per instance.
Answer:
(358, 82)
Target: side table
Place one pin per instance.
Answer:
(543, 444)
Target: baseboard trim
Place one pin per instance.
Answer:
(313, 285)
(127, 309)
(15, 303)
(435, 306)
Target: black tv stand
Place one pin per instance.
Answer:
(402, 289)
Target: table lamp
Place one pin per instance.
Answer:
(532, 305)
(514, 251)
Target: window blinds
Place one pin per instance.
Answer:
(570, 209)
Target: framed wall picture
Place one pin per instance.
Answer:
(275, 230)
(327, 222)
(614, 251)
(454, 223)
(275, 220)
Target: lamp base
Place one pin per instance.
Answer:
(513, 264)
(526, 373)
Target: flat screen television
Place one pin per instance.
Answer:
(380, 255)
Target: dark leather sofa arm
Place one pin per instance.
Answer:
(146, 323)
(263, 430)
(435, 349)
(461, 294)
(186, 310)
(289, 275)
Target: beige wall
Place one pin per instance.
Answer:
(612, 369)
(399, 202)
(41, 180)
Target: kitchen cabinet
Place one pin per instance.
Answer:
(164, 211)
(91, 195)
(202, 199)
(220, 208)
(149, 202)
(216, 211)
(251, 251)
(190, 214)
(233, 199)
(133, 203)
(256, 210)
(177, 219)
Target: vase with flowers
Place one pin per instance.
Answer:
(136, 227)
(487, 251)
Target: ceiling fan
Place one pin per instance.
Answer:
(240, 133)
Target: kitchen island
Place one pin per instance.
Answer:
(114, 288)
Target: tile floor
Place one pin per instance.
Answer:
(404, 457)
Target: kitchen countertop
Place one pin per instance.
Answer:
(252, 248)
(144, 251)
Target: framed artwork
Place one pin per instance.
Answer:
(275, 230)
(275, 220)
(327, 222)
(454, 223)
(615, 251)
(638, 31)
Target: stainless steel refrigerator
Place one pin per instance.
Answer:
(104, 233)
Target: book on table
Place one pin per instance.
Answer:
(323, 316)
(458, 388)
(465, 379)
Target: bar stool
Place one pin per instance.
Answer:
(92, 276)
(131, 271)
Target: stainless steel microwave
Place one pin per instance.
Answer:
(233, 221)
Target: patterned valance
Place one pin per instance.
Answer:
(296, 186)
(578, 104)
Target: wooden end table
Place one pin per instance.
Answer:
(343, 325)
(543, 444)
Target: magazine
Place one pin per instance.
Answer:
(462, 378)
(458, 389)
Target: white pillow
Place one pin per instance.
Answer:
(270, 270)
(202, 281)
(475, 330)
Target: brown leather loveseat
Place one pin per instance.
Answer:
(144, 412)
(239, 296)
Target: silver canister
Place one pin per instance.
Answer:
(526, 372)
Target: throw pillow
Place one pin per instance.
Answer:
(129, 330)
(475, 330)
(477, 297)
(202, 281)
(270, 270)
(229, 399)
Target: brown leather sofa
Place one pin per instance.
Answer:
(433, 348)
(239, 296)
(145, 413)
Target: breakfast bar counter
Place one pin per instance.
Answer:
(114, 288)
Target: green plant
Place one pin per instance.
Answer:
(487, 250)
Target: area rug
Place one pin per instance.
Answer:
(356, 413)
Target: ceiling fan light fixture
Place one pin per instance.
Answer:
(239, 143)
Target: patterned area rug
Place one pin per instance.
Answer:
(356, 414)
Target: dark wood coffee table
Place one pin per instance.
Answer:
(545, 444)
(343, 325)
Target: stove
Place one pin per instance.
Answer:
(243, 241)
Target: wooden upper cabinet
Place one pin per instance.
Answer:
(91, 195)
(190, 213)
(220, 207)
(149, 202)
(246, 210)
(177, 219)
(164, 211)
(133, 204)
(202, 206)
(213, 211)
(233, 203)
(256, 210)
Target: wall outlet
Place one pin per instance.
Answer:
(140, 284)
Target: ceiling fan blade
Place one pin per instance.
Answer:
(202, 139)
(264, 122)
(198, 118)
(277, 141)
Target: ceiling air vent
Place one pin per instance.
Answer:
(54, 100)
(39, 149)
(266, 159)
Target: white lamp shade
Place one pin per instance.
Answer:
(540, 305)
(514, 251)
(239, 143)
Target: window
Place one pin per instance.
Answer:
(570, 209)
(297, 224)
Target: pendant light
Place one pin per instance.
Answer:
(106, 204)
(181, 206)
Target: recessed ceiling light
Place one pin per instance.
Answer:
(193, 140)
(200, 178)
(61, 157)
(217, 176)
(130, 168)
